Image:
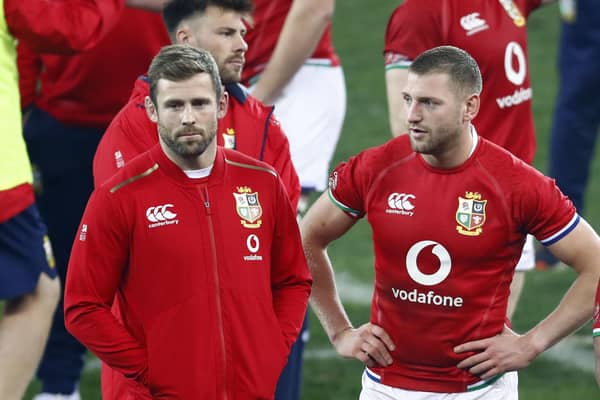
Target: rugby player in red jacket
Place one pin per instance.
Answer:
(200, 246)
(249, 126)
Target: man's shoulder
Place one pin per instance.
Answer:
(239, 160)
(239, 94)
(392, 150)
(135, 171)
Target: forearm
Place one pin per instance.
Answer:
(324, 298)
(573, 311)
(516, 287)
(298, 39)
(395, 80)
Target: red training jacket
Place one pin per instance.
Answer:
(249, 127)
(90, 88)
(209, 275)
(61, 26)
(53, 26)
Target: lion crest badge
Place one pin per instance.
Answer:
(470, 214)
(248, 207)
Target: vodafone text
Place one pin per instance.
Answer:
(416, 296)
(519, 96)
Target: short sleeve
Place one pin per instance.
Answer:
(547, 213)
(412, 28)
(345, 189)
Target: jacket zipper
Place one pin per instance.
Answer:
(213, 246)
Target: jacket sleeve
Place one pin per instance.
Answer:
(290, 278)
(61, 26)
(278, 156)
(29, 64)
(96, 266)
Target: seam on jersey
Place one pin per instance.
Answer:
(342, 206)
(265, 134)
(255, 167)
(134, 178)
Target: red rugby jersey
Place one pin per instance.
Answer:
(446, 244)
(495, 34)
(269, 17)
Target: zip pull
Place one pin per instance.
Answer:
(204, 194)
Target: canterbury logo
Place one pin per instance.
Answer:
(160, 213)
(400, 203)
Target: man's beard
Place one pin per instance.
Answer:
(438, 141)
(189, 149)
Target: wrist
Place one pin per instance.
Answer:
(339, 333)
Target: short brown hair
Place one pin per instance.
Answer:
(458, 64)
(178, 10)
(179, 62)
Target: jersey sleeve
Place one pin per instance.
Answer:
(61, 26)
(345, 188)
(277, 154)
(96, 266)
(545, 211)
(290, 278)
(29, 64)
(412, 28)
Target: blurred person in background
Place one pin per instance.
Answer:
(28, 281)
(577, 111)
(292, 64)
(69, 101)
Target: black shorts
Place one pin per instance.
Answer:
(25, 252)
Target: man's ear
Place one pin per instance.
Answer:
(471, 107)
(223, 104)
(151, 109)
(183, 34)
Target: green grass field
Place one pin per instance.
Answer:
(359, 28)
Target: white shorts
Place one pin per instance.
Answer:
(527, 260)
(505, 388)
(311, 110)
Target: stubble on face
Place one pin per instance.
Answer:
(436, 140)
(180, 143)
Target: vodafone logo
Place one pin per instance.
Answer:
(401, 203)
(253, 245)
(515, 65)
(427, 297)
(161, 215)
(413, 268)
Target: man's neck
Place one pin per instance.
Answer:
(458, 154)
(204, 160)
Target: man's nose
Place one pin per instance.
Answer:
(413, 113)
(187, 116)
